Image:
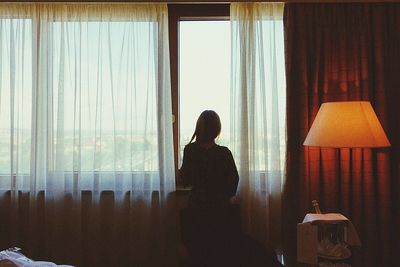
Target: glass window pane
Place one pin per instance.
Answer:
(105, 110)
(15, 96)
(204, 75)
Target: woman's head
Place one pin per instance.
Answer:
(208, 127)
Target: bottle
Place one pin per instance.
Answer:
(316, 206)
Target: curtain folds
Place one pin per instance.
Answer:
(258, 115)
(339, 52)
(86, 127)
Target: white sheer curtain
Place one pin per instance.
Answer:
(258, 115)
(86, 130)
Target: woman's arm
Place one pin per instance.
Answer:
(232, 175)
(184, 172)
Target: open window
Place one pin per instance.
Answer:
(200, 68)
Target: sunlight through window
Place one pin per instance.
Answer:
(204, 75)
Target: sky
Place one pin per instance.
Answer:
(204, 69)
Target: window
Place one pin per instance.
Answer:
(200, 40)
(199, 36)
(80, 91)
(201, 21)
(204, 75)
(104, 96)
(16, 95)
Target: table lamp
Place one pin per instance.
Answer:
(348, 124)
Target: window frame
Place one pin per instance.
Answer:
(177, 13)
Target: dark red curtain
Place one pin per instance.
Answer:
(339, 52)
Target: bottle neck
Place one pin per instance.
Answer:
(316, 207)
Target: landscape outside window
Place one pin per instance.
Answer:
(204, 75)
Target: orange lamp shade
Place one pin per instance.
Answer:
(346, 124)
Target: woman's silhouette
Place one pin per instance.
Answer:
(207, 167)
(210, 224)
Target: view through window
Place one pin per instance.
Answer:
(15, 95)
(204, 75)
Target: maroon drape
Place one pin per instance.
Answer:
(338, 52)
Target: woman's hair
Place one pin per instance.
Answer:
(208, 127)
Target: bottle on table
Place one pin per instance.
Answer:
(316, 206)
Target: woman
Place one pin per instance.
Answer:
(209, 168)
(210, 225)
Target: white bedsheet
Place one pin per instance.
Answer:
(13, 258)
